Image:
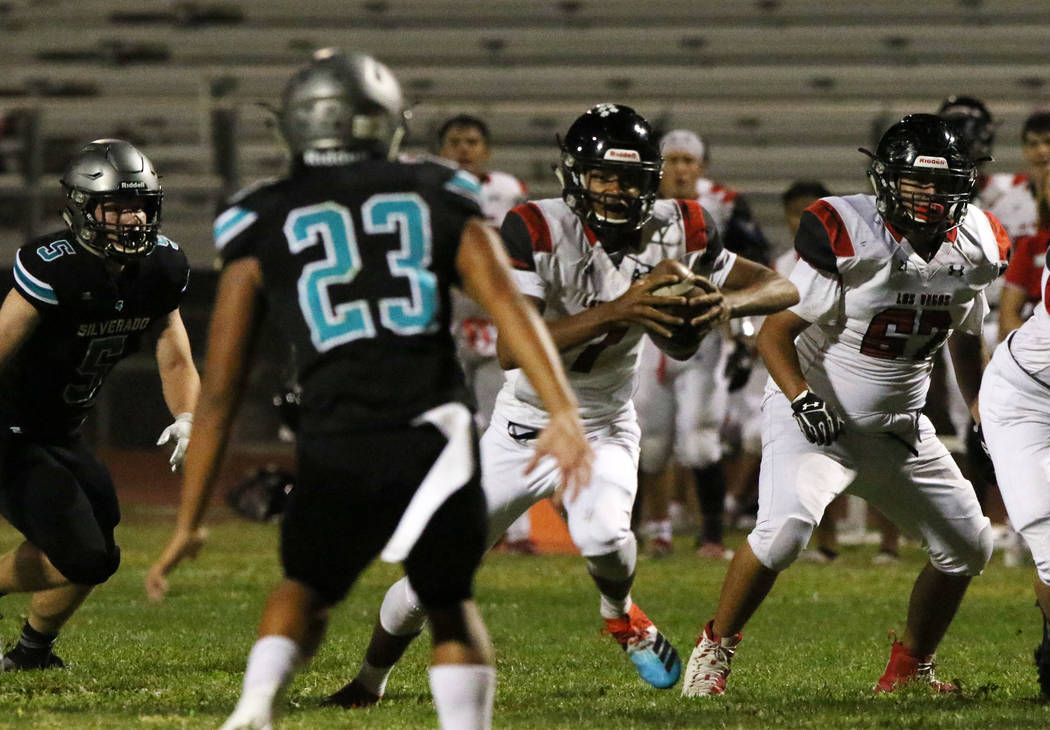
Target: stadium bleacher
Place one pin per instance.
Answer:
(781, 89)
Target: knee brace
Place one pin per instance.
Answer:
(616, 566)
(778, 548)
(401, 613)
(88, 567)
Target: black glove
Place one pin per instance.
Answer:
(819, 423)
(978, 458)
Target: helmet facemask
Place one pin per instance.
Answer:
(115, 224)
(614, 199)
(928, 201)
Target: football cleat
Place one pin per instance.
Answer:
(353, 695)
(20, 660)
(714, 551)
(905, 668)
(1042, 661)
(243, 720)
(708, 666)
(653, 656)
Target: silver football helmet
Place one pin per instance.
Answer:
(342, 103)
(111, 176)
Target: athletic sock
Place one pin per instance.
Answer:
(271, 663)
(463, 695)
(36, 642)
(615, 607)
(710, 482)
(373, 678)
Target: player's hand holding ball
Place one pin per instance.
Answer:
(694, 300)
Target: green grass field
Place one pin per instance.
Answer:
(808, 660)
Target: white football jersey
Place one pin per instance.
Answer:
(717, 200)
(879, 311)
(1009, 198)
(559, 261)
(1030, 343)
(472, 327)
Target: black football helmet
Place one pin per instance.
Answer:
(923, 149)
(112, 173)
(972, 123)
(614, 139)
(342, 104)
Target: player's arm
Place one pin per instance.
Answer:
(178, 375)
(1012, 300)
(967, 360)
(485, 270)
(18, 319)
(749, 288)
(180, 383)
(232, 334)
(638, 306)
(776, 345)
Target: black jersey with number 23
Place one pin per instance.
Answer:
(356, 263)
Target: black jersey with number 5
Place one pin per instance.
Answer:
(91, 317)
(357, 260)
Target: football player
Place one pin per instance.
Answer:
(353, 254)
(1015, 421)
(83, 299)
(885, 280)
(465, 140)
(682, 405)
(584, 260)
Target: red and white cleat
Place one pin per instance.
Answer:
(905, 668)
(708, 666)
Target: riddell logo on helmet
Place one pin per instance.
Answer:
(937, 162)
(623, 155)
(135, 184)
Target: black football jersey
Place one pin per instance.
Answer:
(90, 319)
(357, 260)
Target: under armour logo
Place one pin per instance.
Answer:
(119, 305)
(604, 110)
(902, 266)
(956, 269)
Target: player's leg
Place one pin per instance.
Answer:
(600, 525)
(62, 499)
(797, 481)
(918, 486)
(508, 494)
(702, 397)
(441, 567)
(655, 404)
(1015, 419)
(346, 504)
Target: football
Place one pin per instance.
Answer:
(684, 338)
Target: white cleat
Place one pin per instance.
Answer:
(708, 666)
(246, 720)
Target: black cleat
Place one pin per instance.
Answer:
(19, 660)
(1042, 661)
(353, 695)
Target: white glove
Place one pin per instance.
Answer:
(179, 432)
